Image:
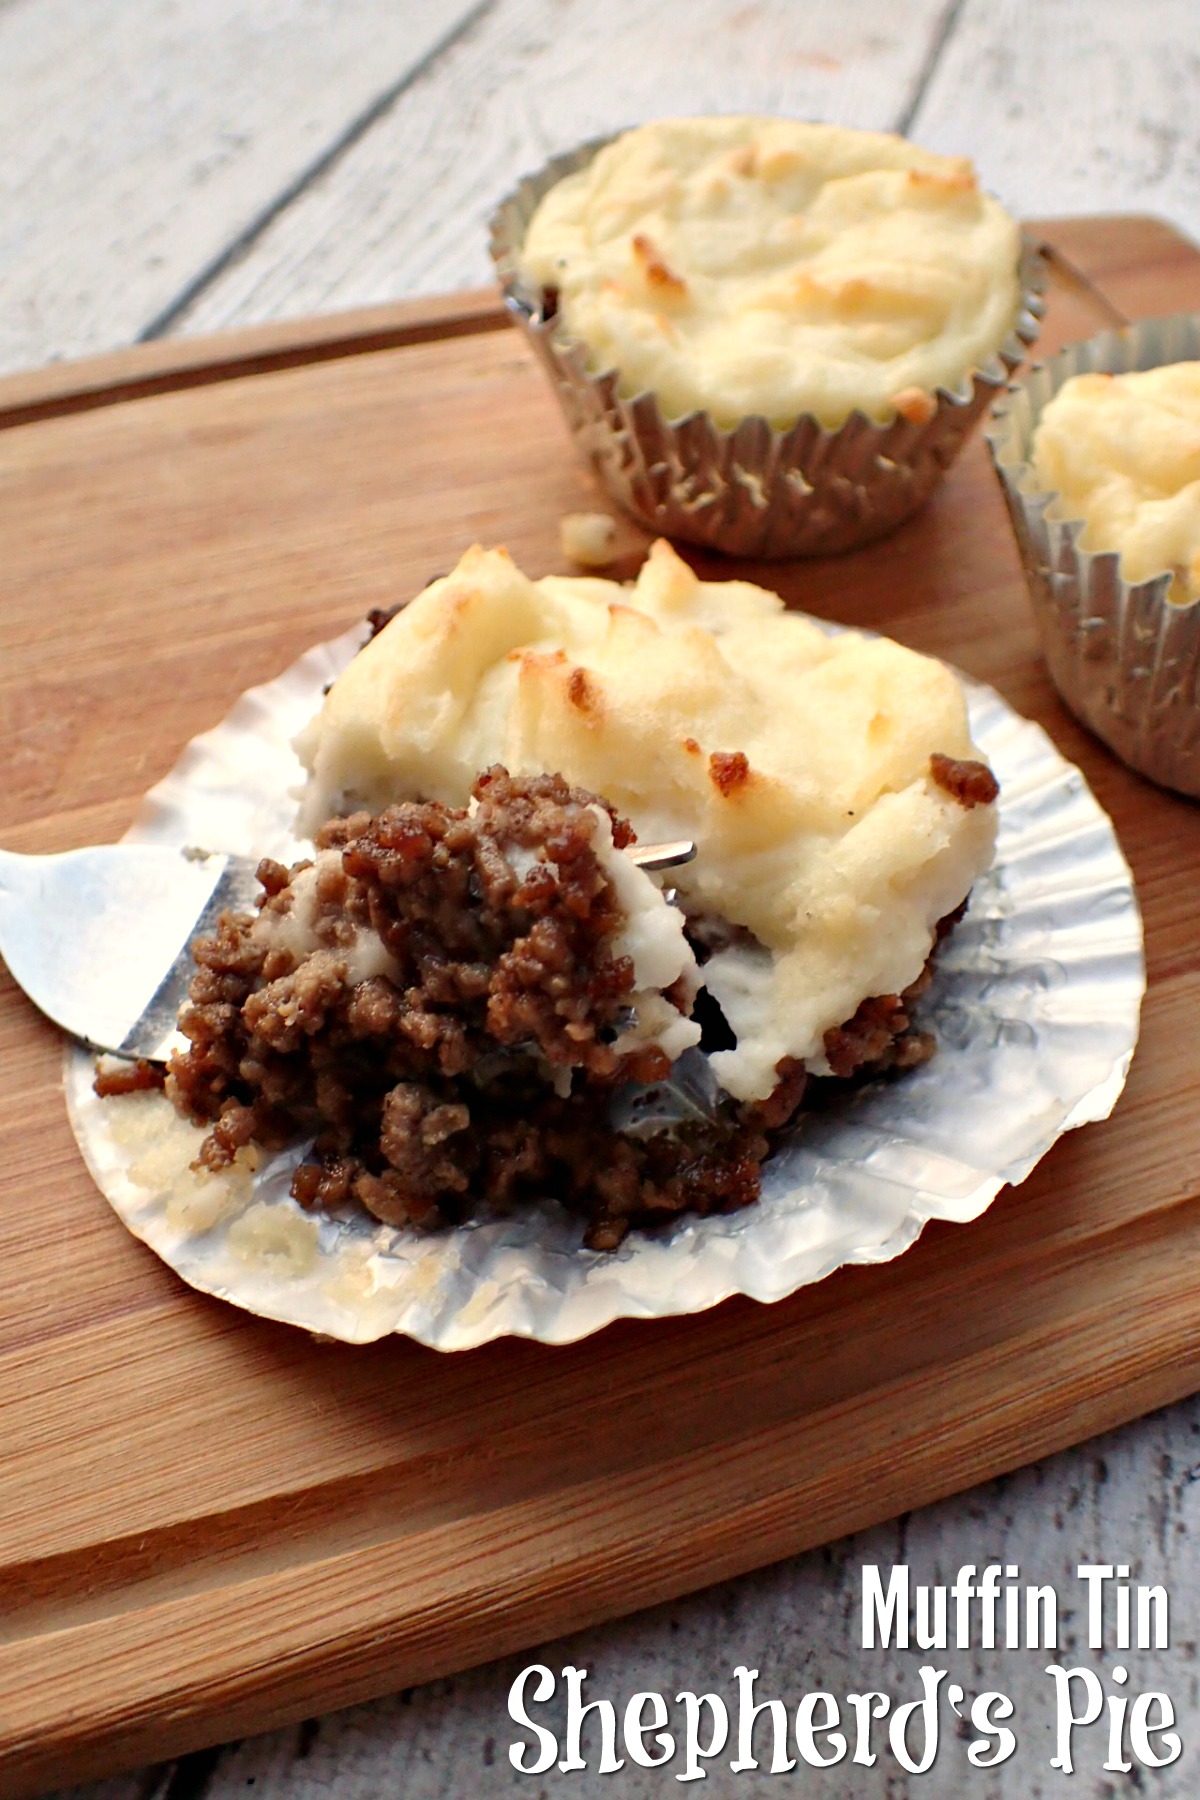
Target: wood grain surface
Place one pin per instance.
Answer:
(209, 1524)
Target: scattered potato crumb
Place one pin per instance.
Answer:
(199, 1203)
(135, 1120)
(354, 1280)
(276, 1235)
(915, 405)
(588, 539)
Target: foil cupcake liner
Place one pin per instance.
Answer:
(1035, 1008)
(1125, 659)
(752, 490)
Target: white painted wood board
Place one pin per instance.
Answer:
(140, 138)
(1069, 106)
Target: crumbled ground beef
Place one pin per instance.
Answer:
(129, 1078)
(881, 1035)
(418, 1085)
(426, 1089)
(970, 783)
(785, 1099)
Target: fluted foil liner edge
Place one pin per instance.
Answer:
(752, 490)
(1125, 659)
(1035, 1006)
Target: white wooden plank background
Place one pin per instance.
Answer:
(273, 158)
(139, 139)
(1074, 106)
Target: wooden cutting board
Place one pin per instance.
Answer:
(210, 1524)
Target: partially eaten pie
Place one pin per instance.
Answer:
(463, 998)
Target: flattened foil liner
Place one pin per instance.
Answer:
(753, 490)
(1123, 657)
(1035, 1006)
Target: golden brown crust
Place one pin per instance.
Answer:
(654, 268)
(730, 771)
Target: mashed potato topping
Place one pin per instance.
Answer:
(798, 761)
(763, 266)
(1122, 452)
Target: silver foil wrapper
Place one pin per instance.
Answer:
(1124, 658)
(753, 490)
(1035, 1006)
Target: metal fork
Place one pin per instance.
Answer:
(99, 939)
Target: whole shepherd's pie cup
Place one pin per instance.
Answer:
(1098, 453)
(769, 337)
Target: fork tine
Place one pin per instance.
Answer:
(662, 856)
(152, 1033)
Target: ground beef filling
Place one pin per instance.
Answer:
(129, 1078)
(881, 1035)
(970, 783)
(428, 1086)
